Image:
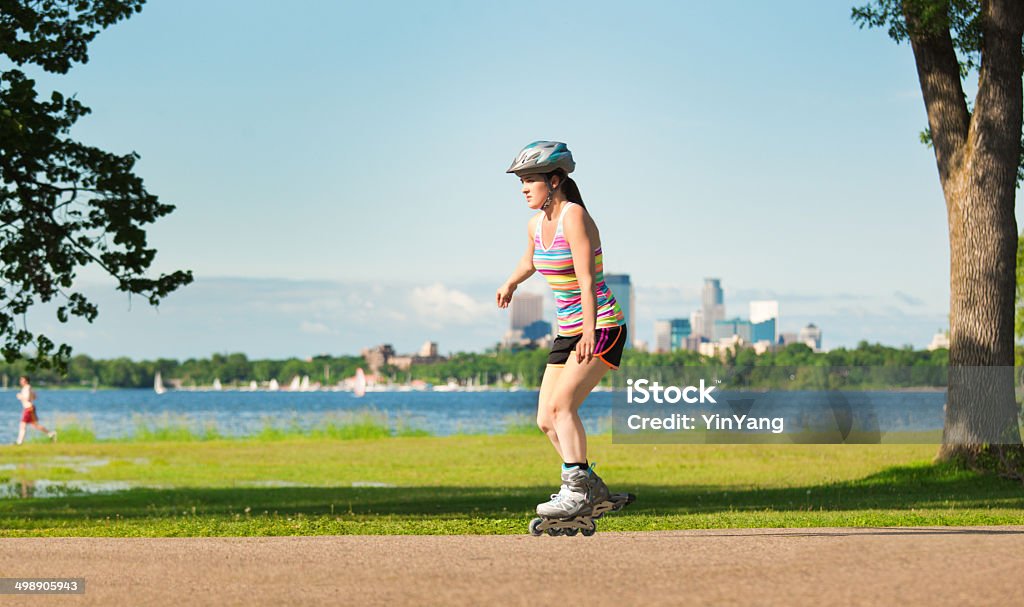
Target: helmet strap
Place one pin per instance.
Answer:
(551, 191)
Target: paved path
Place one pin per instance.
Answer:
(875, 566)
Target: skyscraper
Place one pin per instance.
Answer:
(662, 336)
(712, 305)
(811, 335)
(670, 335)
(697, 323)
(724, 329)
(622, 289)
(680, 330)
(527, 308)
(764, 315)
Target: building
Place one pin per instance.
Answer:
(427, 354)
(765, 314)
(697, 323)
(939, 340)
(378, 356)
(428, 349)
(536, 330)
(622, 289)
(527, 308)
(384, 354)
(679, 330)
(671, 334)
(725, 329)
(723, 347)
(712, 305)
(786, 339)
(811, 335)
(662, 336)
(764, 331)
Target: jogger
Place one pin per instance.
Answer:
(27, 396)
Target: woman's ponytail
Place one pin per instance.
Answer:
(570, 189)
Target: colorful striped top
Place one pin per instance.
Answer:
(555, 263)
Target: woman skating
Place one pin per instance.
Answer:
(564, 244)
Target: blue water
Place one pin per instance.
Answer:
(117, 413)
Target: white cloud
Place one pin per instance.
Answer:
(314, 328)
(437, 306)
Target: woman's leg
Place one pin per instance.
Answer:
(573, 386)
(21, 433)
(545, 420)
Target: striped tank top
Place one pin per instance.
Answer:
(555, 263)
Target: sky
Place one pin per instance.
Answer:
(338, 167)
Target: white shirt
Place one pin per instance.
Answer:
(27, 396)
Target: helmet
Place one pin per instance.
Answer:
(542, 157)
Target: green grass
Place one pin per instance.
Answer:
(149, 428)
(483, 485)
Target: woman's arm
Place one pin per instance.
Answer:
(524, 269)
(575, 230)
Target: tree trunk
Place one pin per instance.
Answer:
(977, 157)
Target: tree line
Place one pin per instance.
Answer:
(524, 367)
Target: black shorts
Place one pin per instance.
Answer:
(608, 345)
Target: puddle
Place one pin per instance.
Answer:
(44, 488)
(277, 484)
(372, 484)
(76, 463)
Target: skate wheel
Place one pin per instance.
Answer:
(533, 526)
(553, 532)
(589, 531)
(623, 501)
(571, 532)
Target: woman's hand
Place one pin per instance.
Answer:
(504, 294)
(585, 347)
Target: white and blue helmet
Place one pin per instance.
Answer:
(543, 157)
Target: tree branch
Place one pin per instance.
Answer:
(993, 129)
(939, 74)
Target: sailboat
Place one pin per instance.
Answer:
(304, 385)
(294, 386)
(359, 389)
(274, 386)
(158, 384)
(216, 384)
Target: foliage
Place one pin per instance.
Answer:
(63, 204)
(496, 369)
(961, 18)
(1018, 321)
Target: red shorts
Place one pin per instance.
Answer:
(28, 415)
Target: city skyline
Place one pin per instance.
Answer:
(253, 316)
(365, 164)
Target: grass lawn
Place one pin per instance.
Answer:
(478, 484)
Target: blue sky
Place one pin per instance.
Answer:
(338, 167)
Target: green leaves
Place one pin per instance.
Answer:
(961, 17)
(55, 35)
(63, 204)
(1019, 307)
